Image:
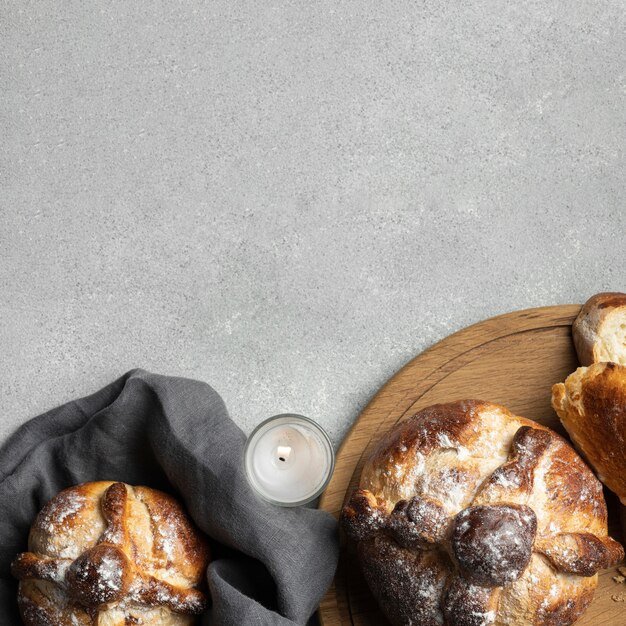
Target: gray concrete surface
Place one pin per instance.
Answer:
(290, 199)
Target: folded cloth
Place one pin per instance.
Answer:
(272, 564)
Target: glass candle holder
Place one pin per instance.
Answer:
(289, 459)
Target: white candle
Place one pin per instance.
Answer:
(289, 460)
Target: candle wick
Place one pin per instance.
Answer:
(283, 453)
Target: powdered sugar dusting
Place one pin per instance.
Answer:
(166, 535)
(507, 480)
(60, 509)
(450, 485)
(444, 441)
(54, 526)
(486, 618)
(109, 573)
(75, 620)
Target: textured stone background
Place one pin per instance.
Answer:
(288, 199)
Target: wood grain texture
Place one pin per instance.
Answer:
(512, 359)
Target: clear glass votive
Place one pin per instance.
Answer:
(289, 459)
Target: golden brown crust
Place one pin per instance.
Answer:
(597, 332)
(565, 610)
(452, 508)
(426, 431)
(592, 407)
(112, 552)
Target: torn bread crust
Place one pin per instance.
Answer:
(591, 405)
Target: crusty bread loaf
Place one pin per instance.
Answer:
(599, 331)
(592, 406)
(592, 402)
(110, 554)
(466, 514)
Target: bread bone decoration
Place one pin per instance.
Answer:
(592, 402)
(109, 554)
(468, 515)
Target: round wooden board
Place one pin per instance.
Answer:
(512, 359)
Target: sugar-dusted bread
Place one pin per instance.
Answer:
(109, 554)
(468, 515)
(599, 331)
(592, 406)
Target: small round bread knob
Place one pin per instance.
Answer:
(493, 543)
(419, 522)
(100, 575)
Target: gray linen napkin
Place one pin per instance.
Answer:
(272, 565)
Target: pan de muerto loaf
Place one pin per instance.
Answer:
(468, 515)
(108, 554)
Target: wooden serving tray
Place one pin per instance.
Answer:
(514, 360)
